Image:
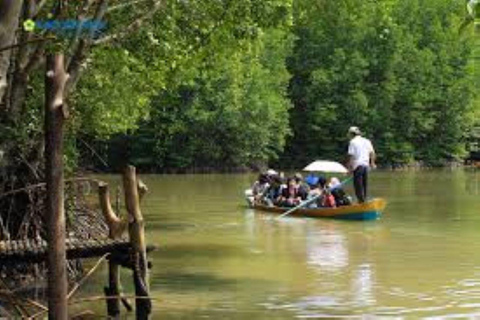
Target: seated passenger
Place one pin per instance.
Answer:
(274, 191)
(322, 195)
(315, 192)
(338, 193)
(311, 180)
(291, 196)
(259, 189)
(303, 188)
(326, 200)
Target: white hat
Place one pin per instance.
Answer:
(354, 130)
(272, 172)
(333, 182)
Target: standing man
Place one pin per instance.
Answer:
(361, 158)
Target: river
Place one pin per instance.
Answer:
(218, 259)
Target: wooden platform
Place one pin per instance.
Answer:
(35, 251)
(121, 237)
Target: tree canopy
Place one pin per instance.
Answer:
(398, 69)
(243, 84)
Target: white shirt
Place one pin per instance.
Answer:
(360, 149)
(259, 188)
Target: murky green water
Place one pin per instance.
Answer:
(219, 260)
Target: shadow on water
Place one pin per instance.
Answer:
(185, 281)
(178, 281)
(159, 226)
(230, 314)
(182, 251)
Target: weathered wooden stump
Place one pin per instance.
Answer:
(137, 260)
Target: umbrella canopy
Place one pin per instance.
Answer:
(326, 166)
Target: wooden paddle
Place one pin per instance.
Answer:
(314, 198)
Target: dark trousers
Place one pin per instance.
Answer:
(360, 176)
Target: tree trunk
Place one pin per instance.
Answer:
(9, 14)
(136, 230)
(55, 114)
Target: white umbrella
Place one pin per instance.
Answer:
(326, 166)
(320, 166)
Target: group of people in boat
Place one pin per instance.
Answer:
(273, 189)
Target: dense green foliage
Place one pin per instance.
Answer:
(232, 113)
(220, 77)
(238, 84)
(397, 69)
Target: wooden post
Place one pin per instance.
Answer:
(113, 290)
(116, 227)
(55, 114)
(117, 199)
(142, 189)
(136, 231)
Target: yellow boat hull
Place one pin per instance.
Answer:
(370, 210)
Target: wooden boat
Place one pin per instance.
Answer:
(370, 210)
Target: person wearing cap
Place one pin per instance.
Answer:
(361, 158)
(272, 172)
(275, 190)
(259, 189)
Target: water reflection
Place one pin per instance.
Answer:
(328, 253)
(326, 248)
(333, 279)
(362, 286)
(472, 183)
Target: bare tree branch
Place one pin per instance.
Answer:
(123, 5)
(134, 26)
(35, 59)
(78, 31)
(21, 59)
(25, 37)
(9, 15)
(74, 67)
(39, 7)
(16, 45)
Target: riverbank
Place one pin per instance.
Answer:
(415, 166)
